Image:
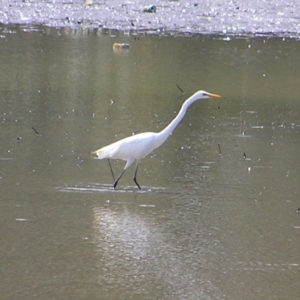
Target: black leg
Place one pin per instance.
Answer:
(111, 170)
(116, 181)
(135, 174)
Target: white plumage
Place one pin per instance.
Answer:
(138, 146)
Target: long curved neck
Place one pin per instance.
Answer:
(165, 133)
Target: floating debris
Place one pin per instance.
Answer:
(35, 131)
(119, 47)
(181, 90)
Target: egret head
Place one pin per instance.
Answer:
(205, 95)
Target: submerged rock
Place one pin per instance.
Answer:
(150, 9)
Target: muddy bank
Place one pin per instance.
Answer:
(235, 17)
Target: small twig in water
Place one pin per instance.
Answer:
(35, 131)
(220, 152)
(181, 90)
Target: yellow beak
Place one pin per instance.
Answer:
(214, 96)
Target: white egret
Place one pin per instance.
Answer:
(138, 146)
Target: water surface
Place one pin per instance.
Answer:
(217, 214)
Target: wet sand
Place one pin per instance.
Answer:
(235, 17)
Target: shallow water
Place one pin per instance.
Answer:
(217, 214)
